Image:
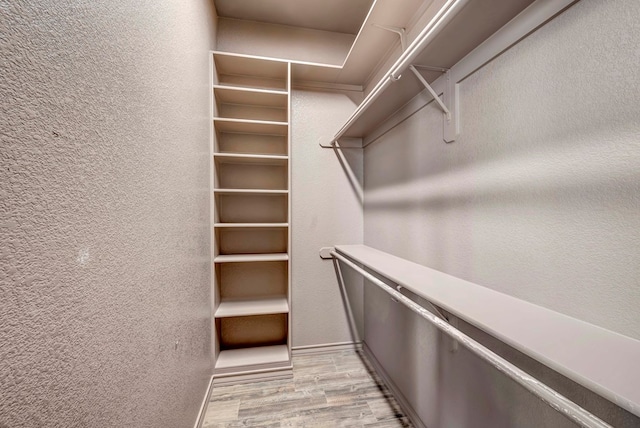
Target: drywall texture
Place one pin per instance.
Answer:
(104, 207)
(326, 210)
(538, 198)
(281, 41)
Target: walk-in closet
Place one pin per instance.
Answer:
(294, 213)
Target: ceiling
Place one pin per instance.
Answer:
(341, 16)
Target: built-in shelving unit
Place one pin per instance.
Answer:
(251, 181)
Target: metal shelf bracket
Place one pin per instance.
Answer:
(448, 103)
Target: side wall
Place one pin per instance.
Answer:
(104, 207)
(327, 210)
(538, 198)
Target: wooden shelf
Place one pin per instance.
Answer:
(246, 126)
(472, 24)
(598, 359)
(250, 192)
(250, 225)
(235, 358)
(245, 258)
(255, 306)
(250, 71)
(241, 158)
(249, 96)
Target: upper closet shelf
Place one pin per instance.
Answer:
(250, 71)
(456, 29)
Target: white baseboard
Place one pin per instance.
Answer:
(253, 376)
(205, 402)
(325, 347)
(402, 401)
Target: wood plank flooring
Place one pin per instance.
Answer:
(338, 389)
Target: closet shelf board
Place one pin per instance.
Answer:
(251, 225)
(250, 159)
(252, 356)
(244, 258)
(248, 307)
(251, 97)
(248, 126)
(250, 192)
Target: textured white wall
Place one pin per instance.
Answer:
(538, 198)
(326, 210)
(280, 41)
(104, 206)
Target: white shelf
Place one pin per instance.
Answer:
(249, 192)
(598, 359)
(251, 225)
(241, 258)
(248, 126)
(248, 306)
(252, 356)
(472, 24)
(249, 96)
(259, 72)
(251, 159)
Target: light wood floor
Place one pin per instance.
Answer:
(337, 389)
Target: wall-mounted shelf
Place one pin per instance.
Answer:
(249, 306)
(249, 158)
(250, 225)
(249, 258)
(247, 357)
(461, 26)
(249, 192)
(245, 126)
(603, 361)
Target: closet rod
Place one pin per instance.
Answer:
(406, 58)
(554, 399)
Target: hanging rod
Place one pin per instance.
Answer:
(557, 401)
(445, 13)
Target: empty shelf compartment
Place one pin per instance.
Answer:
(252, 208)
(250, 331)
(256, 279)
(250, 175)
(253, 105)
(244, 71)
(229, 142)
(251, 240)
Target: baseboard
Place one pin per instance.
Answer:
(325, 347)
(253, 376)
(400, 398)
(205, 402)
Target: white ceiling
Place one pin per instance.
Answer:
(342, 16)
